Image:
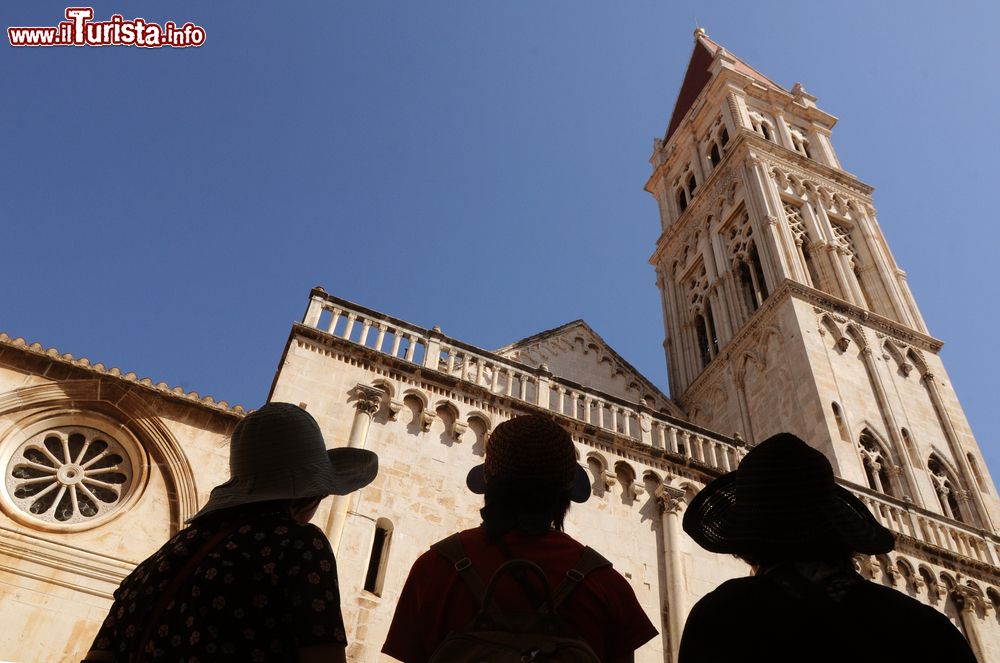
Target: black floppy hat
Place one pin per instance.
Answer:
(278, 452)
(531, 448)
(782, 498)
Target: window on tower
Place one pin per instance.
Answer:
(946, 488)
(682, 200)
(876, 463)
(692, 185)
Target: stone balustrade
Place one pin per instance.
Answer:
(931, 528)
(431, 349)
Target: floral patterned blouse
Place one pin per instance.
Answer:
(268, 588)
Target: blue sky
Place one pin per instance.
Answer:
(474, 165)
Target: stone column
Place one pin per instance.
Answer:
(671, 503)
(967, 599)
(367, 404)
(951, 435)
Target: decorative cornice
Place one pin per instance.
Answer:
(160, 388)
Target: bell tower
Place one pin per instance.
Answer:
(783, 307)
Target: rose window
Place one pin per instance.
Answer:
(69, 475)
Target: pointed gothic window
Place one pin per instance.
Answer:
(714, 155)
(713, 335)
(747, 288)
(945, 487)
(724, 136)
(758, 272)
(876, 463)
(703, 347)
(682, 201)
(692, 185)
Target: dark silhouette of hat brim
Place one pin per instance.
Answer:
(718, 523)
(346, 471)
(579, 493)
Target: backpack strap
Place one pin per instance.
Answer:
(590, 560)
(452, 550)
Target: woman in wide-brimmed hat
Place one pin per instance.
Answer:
(783, 513)
(249, 579)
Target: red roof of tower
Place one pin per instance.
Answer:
(698, 76)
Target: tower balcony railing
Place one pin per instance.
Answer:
(659, 433)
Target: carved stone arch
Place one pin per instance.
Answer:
(626, 476)
(385, 385)
(827, 325)
(482, 416)
(767, 333)
(122, 405)
(746, 359)
(894, 352)
(857, 334)
(652, 477)
(419, 395)
(916, 357)
(946, 464)
(447, 404)
(601, 478)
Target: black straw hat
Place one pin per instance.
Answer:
(531, 448)
(783, 498)
(278, 452)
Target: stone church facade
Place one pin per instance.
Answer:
(783, 310)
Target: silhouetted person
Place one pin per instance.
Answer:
(250, 579)
(783, 513)
(529, 478)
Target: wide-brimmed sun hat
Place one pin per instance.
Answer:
(783, 498)
(531, 449)
(278, 453)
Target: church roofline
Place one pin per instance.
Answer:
(84, 364)
(699, 75)
(555, 331)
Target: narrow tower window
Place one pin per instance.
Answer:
(682, 201)
(713, 335)
(724, 136)
(758, 272)
(841, 426)
(692, 185)
(714, 156)
(703, 346)
(375, 577)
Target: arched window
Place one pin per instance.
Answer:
(945, 487)
(375, 577)
(703, 347)
(692, 185)
(713, 335)
(975, 470)
(724, 136)
(841, 426)
(713, 156)
(747, 287)
(764, 131)
(682, 200)
(758, 271)
(876, 463)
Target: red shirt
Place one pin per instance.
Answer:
(435, 601)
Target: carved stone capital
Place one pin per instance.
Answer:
(426, 419)
(843, 343)
(966, 598)
(459, 429)
(669, 499)
(368, 398)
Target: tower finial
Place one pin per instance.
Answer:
(699, 32)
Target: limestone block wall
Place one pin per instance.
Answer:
(428, 435)
(57, 578)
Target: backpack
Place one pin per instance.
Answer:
(517, 637)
